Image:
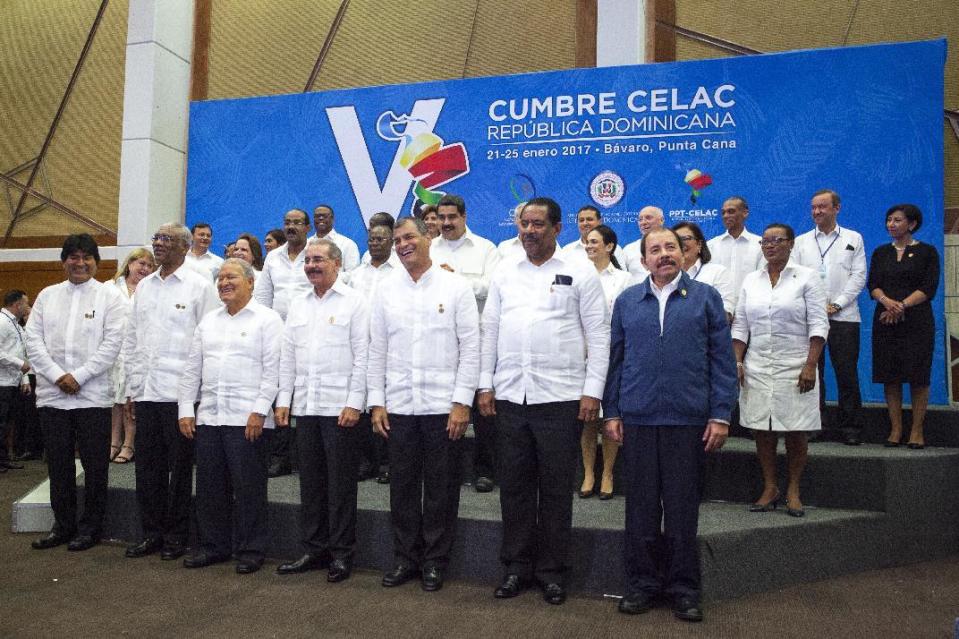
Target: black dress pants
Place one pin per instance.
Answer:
(663, 467)
(373, 448)
(537, 452)
(424, 489)
(231, 498)
(8, 399)
(484, 445)
(164, 473)
(65, 431)
(328, 459)
(843, 347)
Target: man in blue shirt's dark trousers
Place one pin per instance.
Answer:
(669, 392)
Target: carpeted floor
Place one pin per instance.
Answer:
(100, 593)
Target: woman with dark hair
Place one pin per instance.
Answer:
(903, 277)
(247, 248)
(429, 215)
(698, 264)
(273, 239)
(781, 316)
(601, 243)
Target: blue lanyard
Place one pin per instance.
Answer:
(822, 253)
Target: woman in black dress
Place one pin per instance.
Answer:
(903, 277)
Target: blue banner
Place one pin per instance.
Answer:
(863, 121)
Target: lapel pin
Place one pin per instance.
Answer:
(682, 292)
(332, 320)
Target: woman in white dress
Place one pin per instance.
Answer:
(137, 265)
(698, 264)
(600, 247)
(781, 315)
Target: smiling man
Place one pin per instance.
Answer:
(323, 383)
(323, 223)
(168, 306)
(737, 249)
(199, 255)
(422, 374)
(233, 367)
(588, 218)
(73, 338)
(545, 348)
(667, 400)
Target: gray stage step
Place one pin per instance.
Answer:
(906, 513)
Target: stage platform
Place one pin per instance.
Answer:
(866, 507)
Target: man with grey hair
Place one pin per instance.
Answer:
(323, 382)
(235, 353)
(168, 306)
(650, 218)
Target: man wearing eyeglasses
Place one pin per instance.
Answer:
(282, 279)
(167, 306)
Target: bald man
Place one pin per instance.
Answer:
(650, 218)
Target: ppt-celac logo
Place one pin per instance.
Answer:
(430, 163)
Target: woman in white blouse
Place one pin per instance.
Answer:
(137, 265)
(601, 244)
(698, 264)
(781, 315)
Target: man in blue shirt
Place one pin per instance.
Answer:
(669, 391)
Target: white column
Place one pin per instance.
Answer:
(156, 103)
(621, 32)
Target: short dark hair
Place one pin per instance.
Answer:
(382, 219)
(453, 200)
(740, 198)
(664, 229)
(832, 194)
(790, 233)
(415, 221)
(704, 254)
(911, 213)
(80, 242)
(324, 206)
(305, 215)
(553, 212)
(590, 207)
(13, 296)
(200, 225)
(278, 236)
(609, 237)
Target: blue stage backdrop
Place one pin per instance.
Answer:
(864, 121)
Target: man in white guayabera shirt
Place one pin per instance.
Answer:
(233, 366)
(73, 339)
(167, 307)
(323, 383)
(422, 374)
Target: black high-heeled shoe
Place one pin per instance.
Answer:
(769, 506)
(795, 512)
(915, 446)
(891, 444)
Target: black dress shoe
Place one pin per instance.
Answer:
(687, 609)
(512, 585)
(399, 576)
(309, 561)
(51, 541)
(852, 440)
(432, 579)
(278, 469)
(635, 603)
(483, 485)
(340, 570)
(203, 559)
(27, 457)
(146, 547)
(82, 542)
(247, 566)
(383, 478)
(554, 594)
(9, 465)
(172, 551)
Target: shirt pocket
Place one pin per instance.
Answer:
(562, 298)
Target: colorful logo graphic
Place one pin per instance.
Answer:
(429, 162)
(697, 181)
(607, 188)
